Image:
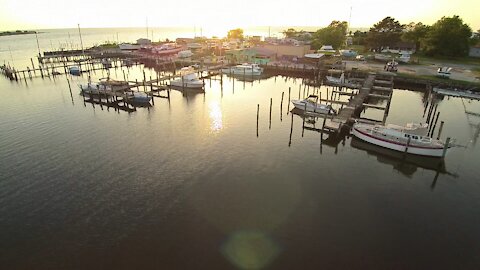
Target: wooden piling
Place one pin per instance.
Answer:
(270, 119)
(434, 125)
(406, 147)
(440, 130)
(445, 147)
(258, 112)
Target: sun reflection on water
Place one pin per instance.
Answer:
(216, 116)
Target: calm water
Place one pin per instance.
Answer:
(187, 184)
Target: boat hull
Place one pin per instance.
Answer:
(395, 145)
(187, 84)
(320, 108)
(245, 72)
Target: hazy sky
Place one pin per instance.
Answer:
(225, 14)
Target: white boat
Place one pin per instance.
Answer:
(244, 69)
(185, 54)
(457, 93)
(410, 138)
(138, 97)
(188, 79)
(129, 47)
(327, 50)
(444, 72)
(311, 104)
(341, 81)
(104, 84)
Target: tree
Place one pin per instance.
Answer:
(290, 33)
(335, 34)
(415, 33)
(359, 38)
(385, 33)
(449, 36)
(475, 40)
(235, 34)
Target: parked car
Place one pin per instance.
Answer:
(360, 57)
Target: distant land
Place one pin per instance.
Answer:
(18, 32)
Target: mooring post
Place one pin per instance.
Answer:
(270, 119)
(33, 65)
(258, 111)
(281, 106)
(291, 131)
(406, 147)
(434, 125)
(445, 147)
(289, 90)
(440, 130)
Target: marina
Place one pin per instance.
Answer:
(128, 166)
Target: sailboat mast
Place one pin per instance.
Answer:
(81, 41)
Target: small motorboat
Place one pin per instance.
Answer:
(244, 69)
(139, 97)
(311, 104)
(341, 81)
(188, 79)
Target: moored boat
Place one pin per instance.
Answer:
(188, 79)
(140, 97)
(311, 104)
(411, 138)
(244, 69)
(341, 81)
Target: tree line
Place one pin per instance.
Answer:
(449, 36)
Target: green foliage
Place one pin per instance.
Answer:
(449, 36)
(334, 34)
(385, 33)
(298, 35)
(235, 34)
(359, 38)
(415, 33)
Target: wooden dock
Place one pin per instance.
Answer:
(357, 101)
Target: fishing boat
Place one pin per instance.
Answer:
(457, 93)
(244, 69)
(341, 81)
(310, 104)
(188, 79)
(411, 138)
